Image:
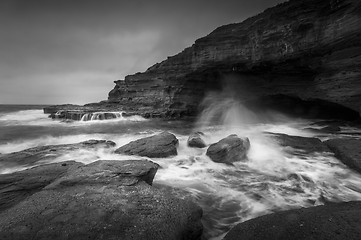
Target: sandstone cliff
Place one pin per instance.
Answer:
(303, 49)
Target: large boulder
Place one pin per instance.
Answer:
(32, 156)
(335, 221)
(195, 140)
(304, 145)
(157, 146)
(228, 150)
(17, 186)
(348, 151)
(102, 200)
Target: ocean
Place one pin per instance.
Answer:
(273, 178)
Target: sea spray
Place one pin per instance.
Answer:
(272, 179)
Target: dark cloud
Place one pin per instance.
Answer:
(59, 51)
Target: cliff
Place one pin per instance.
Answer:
(308, 50)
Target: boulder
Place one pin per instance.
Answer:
(195, 140)
(157, 146)
(17, 186)
(228, 150)
(31, 156)
(304, 145)
(339, 221)
(347, 150)
(102, 200)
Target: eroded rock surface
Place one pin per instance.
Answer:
(157, 146)
(339, 221)
(102, 200)
(308, 49)
(347, 150)
(305, 145)
(228, 150)
(31, 156)
(16, 187)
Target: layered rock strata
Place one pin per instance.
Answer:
(309, 50)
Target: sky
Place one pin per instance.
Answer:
(71, 51)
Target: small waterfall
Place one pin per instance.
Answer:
(101, 116)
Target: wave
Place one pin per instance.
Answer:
(38, 118)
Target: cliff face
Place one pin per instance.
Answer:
(309, 49)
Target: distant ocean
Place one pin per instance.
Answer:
(227, 194)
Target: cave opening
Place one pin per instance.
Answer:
(280, 93)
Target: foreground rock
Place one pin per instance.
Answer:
(157, 146)
(195, 140)
(31, 156)
(16, 187)
(303, 145)
(340, 221)
(102, 200)
(228, 150)
(348, 151)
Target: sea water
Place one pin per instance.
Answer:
(273, 178)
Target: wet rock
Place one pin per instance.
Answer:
(348, 151)
(339, 221)
(157, 146)
(103, 200)
(328, 129)
(295, 55)
(228, 150)
(305, 145)
(31, 156)
(16, 187)
(195, 140)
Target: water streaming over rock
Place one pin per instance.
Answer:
(101, 116)
(273, 177)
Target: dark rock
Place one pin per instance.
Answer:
(125, 173)
(16, 187)
(339, 221)
(195, 140)
(304, 144)
(348, 151)
(103, 200)
(328, 129)
(312, 52)
(228, 150)
(157, 146)
(31, 156)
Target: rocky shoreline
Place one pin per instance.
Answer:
(306, 62)
(300, 57)
(111, 199)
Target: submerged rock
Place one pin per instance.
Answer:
(339, 221)
(328, 129)
(348, 151)
(102, 200)
(195, 140)
(31, 156)
(157, 146)
(304, 144)
(228, 150)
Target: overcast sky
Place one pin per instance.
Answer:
(71, 51)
